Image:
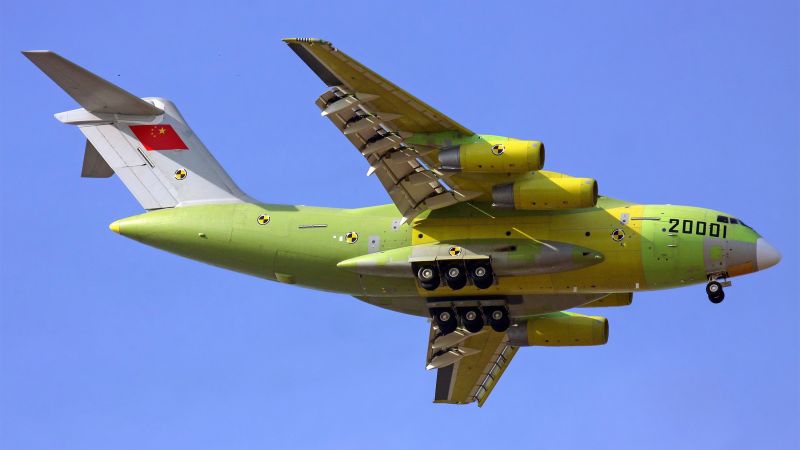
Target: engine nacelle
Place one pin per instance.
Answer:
(546, 191)
(562, 329)
(494, 154)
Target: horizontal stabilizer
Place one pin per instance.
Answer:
(90, 91)
(94, 166)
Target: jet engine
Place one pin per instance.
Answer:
(493, 154)
(562, 329)
(546, 191)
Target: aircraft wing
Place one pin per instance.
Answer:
(377, 117)
(480, 360)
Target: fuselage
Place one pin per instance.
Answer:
(643, 247)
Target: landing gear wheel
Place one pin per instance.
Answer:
(717, 298)
(445, 319)
(715, 292)
(455, 277)
(497, 316)
(481, 274)
(472, 319)
(428, 277)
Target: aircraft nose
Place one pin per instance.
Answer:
(766, 255)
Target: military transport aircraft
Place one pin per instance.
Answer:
(478, 238)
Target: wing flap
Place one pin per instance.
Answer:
(474, 375)
(492, 372)
(412, 186)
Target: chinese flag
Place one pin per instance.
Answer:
(158, 137)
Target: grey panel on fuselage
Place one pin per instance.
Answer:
(720, 254)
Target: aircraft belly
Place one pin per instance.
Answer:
(537, 304)
(314, 271)
(387, 286)
(413, 305)
(519, 306)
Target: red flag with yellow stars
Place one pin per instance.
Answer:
(158, 137)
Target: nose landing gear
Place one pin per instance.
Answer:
(715, 292)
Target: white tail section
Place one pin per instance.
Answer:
(146, 142)
(159, 178)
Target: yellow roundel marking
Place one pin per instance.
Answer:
(263, 219)
(618, 235)
(455, 251)
(498, 149)
(180, 174)
(351, 237)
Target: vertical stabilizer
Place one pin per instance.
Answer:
(146, 142)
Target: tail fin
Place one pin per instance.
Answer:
(146, 142)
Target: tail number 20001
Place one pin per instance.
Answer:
(699, 227)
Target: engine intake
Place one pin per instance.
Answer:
(546, 191)
(562, 329)
(494, 154)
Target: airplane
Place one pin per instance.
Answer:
(479, 239)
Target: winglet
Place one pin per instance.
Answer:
(89, 90)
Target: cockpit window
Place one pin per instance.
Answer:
(731, 220)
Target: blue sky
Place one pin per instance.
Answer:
(105, 343)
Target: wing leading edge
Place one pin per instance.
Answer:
(337, 69)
